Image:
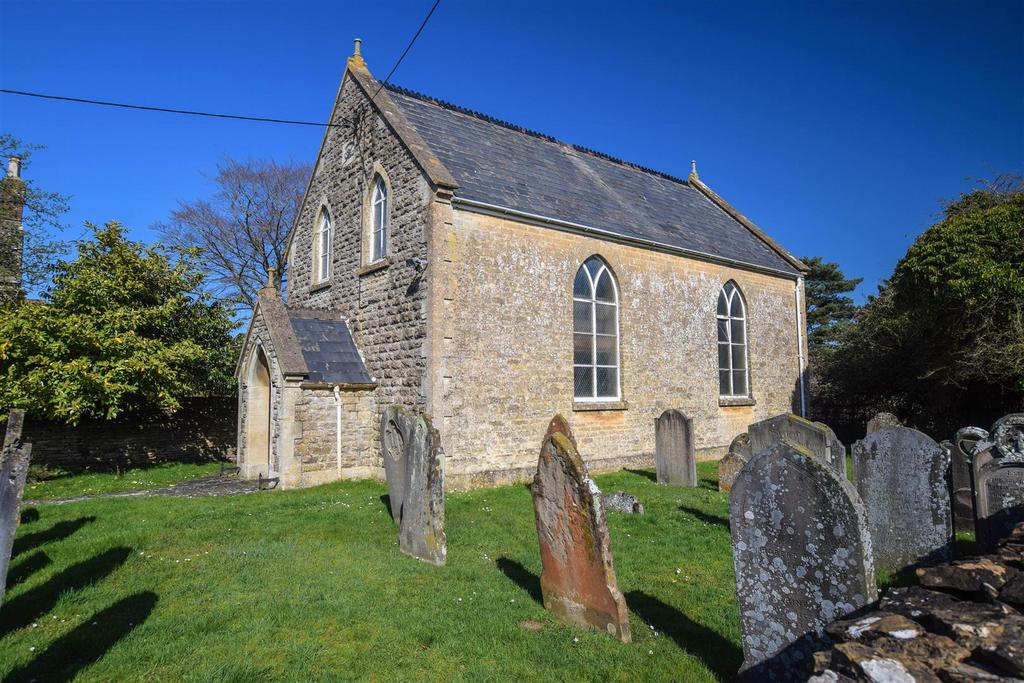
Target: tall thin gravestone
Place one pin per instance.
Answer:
(960, 467)
(578, 578)
(814, 437)
(903, 479)
(731, 463)
(997, 476)
(414, 467)
(802, 555)
(14, 458)
(673, 449)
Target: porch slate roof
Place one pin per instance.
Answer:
(328, 348)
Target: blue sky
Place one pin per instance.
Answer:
(836, 126)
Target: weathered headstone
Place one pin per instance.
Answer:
(881, 420)
(421, 531)
(673, 449)
(997, 475)
(903, 479)
(802, 555)
(728, 469)
(414, 468)
(578, 577)
(814, 437)
(740, 445)
(14, 458)
(960, 467)
(396, 425)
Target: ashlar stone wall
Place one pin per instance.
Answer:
(506, 350)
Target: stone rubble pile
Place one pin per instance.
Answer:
(964, 622)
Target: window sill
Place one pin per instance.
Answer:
(320, 286)
(583, 406)
(380, 264)
(736, 401)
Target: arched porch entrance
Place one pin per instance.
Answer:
(257, 417)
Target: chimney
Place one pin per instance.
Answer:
(12, 237)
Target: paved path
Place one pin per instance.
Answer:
(201, 486)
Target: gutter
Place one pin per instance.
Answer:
(579, 228)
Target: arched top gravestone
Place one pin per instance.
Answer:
(802, 556)
(814, 437)
(578, 578)
(396, 425)
(674, 456)
(881, 420)
(903, 479)
(997, 474)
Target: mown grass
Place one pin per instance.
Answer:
(310, 585)
(58, 484)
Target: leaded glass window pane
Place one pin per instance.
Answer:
(582, 316)
(604, 316)
(583, 379)
(607, 381)
(605, 288)
(583, 349)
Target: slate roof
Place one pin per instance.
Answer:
(511, 167)
(328, 348)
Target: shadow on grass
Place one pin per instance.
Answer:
(34, 603)
(709, 484)
(29, 515)
(522, 577)
(718, 654)
(386, 501)
(705, 517)
(57, 532)
(27, 568)
(646, 474)
(88, 642)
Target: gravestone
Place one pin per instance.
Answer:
(881, 420)
(802, 555)
(740, 445)
(903, 479)
(623, 502)
(578, 577)
(421, 531)
(997, 475)
(728, 469)
(814, 437)
(396, 425)
(673, 449)
(14, 458)
(960, 467)
(414, 468)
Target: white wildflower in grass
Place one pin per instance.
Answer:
(575, 640)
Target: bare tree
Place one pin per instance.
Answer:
(243, 228)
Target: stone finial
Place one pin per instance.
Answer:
(271, 277)
(357, 54)
(693, 170)
(14, 167)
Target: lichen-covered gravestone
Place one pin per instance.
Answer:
(960, 468)
(578, 577)
(997, 473)
(673, 449)
(414, 467)
(14, 458)
(902, 477)
(396, 425)
(802, 556)
(728, 469)
(881, 420)
(813, 437)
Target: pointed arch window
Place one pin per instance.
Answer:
(733, 373)
(379, 220)
(595, 327)
(324, 238)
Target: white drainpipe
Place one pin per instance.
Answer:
(337, 425)
(800, 347)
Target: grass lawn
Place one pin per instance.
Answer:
(310, 585)
(64, 485)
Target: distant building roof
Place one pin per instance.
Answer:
(328, 348)
(503, 165)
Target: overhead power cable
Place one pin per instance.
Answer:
(215, 115)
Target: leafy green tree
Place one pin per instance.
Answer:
(942, 344)
(829, 310)
(125, 327)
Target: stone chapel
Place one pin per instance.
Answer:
(490, 277)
